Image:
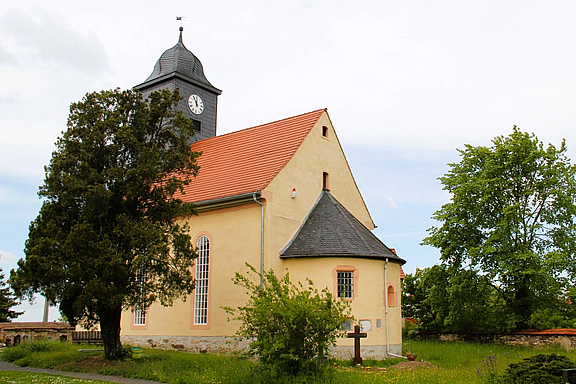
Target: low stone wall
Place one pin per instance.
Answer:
(196, 344)
(227, 345)
(14, 333)
(532, 338)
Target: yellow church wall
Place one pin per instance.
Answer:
(239, 226)
(369, 296)
(234, 235)
(285, 214)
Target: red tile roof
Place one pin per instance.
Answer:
(558, 331)
(246, 161)
(35, 325)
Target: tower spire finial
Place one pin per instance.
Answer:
(181, 20)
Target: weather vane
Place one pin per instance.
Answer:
(180, 19)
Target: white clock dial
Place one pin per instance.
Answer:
(195, 104)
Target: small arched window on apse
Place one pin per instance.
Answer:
(391, 296)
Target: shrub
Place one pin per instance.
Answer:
(537, 369)
(12, 354)
(291, 326)
(410, 330)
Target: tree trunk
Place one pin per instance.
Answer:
(523, 303)
(110, 330)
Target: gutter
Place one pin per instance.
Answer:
(388, 353)
(254, 196)
(223, 202)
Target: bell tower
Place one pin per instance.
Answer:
(180, 68)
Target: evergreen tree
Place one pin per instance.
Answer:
(7, 301)
(109, 212)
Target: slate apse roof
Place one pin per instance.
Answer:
(246, 161)
(330, 230)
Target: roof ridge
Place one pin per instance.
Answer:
(257, 126)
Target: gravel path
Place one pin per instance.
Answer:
(4, 366)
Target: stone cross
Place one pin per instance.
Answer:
(357, 335)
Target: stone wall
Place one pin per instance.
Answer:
(526, 338)
(227, 345)
(21, 332)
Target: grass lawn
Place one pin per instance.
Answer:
(450, 362)
(13, 377)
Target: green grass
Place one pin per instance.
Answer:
(453, 362)
(13, 377)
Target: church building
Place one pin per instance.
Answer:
(278, 196)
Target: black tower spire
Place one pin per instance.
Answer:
(180, 68)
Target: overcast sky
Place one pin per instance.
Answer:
(405, 84)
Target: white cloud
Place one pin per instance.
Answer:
(8, 261)
(41, 37)
(391, 202)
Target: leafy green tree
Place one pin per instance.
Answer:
(511, 218)
(447, 300)
(7, 301)
(108, 216)
(289, 324)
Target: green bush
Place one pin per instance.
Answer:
(538, 369)
(13, 354)
(291, 326)
(409, 331)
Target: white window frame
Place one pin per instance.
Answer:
(140, 310)
(202, 281)
(345, 284)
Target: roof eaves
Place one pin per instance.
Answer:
(350, 255)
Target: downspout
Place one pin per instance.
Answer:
(261, 238)
(386, 312)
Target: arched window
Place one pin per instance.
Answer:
(202, 271)
(391, 296)
(140, 309)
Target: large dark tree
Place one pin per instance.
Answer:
(511, 219)
(108, 218)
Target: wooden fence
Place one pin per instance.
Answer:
(86, 337)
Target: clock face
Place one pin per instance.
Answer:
(195, 104)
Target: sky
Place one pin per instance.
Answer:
(406, 83)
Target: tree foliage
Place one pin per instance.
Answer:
(289, 324)
(511, 219)
(445, 300)
(7, 301)
(109, 212)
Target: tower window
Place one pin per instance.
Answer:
(324, 131)
(325, 181)
(197, 126)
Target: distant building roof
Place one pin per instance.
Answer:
(330, 230)
(246, 161)
(35, 325)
